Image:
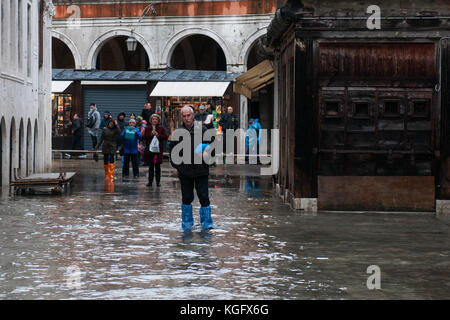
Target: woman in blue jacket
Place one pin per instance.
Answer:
(130, 136)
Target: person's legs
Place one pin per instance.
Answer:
(126, 165)
(134, 162)
(151, 173)
(187, 189)
(106, 165)
(201, 186)
(187, 194)
(74, 142)
(158, 174)
(94, 140)
(111, 166)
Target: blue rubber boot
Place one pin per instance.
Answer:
(205, 217)
(186, 216)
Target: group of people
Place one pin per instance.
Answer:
(132, 140)
(150, 130)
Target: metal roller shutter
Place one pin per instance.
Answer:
(114, 100)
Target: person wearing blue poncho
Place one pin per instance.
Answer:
(252, 137)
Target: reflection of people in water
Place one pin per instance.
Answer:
(253, 186)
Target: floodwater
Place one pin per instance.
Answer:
(125, 242)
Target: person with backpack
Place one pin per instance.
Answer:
(154, 159)
(93, 124)
(130, 136)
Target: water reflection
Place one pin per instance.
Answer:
(109, 187)
(127, 244)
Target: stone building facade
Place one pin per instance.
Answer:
(191, 35)
(85, 27)
(25, 87)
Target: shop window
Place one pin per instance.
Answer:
(361, 110)
(419, 109)
(391, 109)
(61, 114)
(332, 109)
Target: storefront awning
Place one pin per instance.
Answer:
(189, 89)
(254, 79)
(60, 86)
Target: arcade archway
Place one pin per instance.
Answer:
(198, 52)
(114, 55)
(62, 57)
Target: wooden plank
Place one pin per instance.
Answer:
(372, 193)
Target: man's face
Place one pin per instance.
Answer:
(106, 116)
(202, 111)
(188, 118)
(121, 117)
(148, 106)
(92, 107)
(75, 116)
(230, 110)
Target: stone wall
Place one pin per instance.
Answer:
(88, 29)
(25, 90)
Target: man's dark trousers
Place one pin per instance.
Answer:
(76, 140)
(187, 189)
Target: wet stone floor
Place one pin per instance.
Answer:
(98, 242)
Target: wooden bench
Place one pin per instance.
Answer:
(57, 181)
(80, 152)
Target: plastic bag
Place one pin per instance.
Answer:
(154, 145)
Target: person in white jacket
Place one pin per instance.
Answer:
(94, 124)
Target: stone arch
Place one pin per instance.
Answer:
(29, 157)
(180, 36)
(91, 59)
(4, 154)
(248, 45)
(35, 143)
(71, 45)
(13, 149)
(22, 149)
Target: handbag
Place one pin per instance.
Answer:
(154, 145)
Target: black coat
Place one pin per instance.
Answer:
(109, 140)
(147, 113)
(190, 170)
(229, 121)
(77, 127)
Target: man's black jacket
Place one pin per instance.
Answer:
(190, 169)
(229, 121)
